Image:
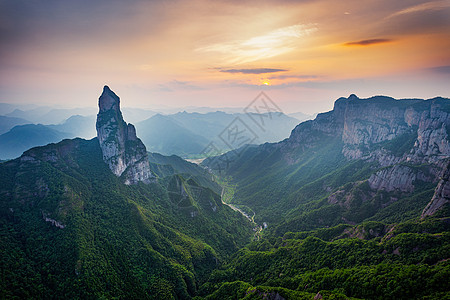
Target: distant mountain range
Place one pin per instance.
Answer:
(302, 117)
(48, 115)
(83, 219)
(361, 161)
(184, 134)
(353, 205)
(23, 137)
(189, 134)
(6, 123)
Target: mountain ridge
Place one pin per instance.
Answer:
(72, 228)
(382, 139)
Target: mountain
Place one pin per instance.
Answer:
(373, 260)
(122, 150)
(441, 196)
(376, 158)
(135, 115)
(91, 219)
(200, 109)
(78, 126)
(56, 116)
(23, 137)
(267, 127)
(6, 123)
(301, 116)
(354, 204)
(164, 166)
(20, 138)
(189, 134)
(7, 108)
(47, 115)
(33, 115)
(164, 135)
(209, 125)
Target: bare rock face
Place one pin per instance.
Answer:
(122, 150)
(394, 135)
(441, 195)
(397, 177)
(432, 136)
(363, 124)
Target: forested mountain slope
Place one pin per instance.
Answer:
(90, 219)
(356, 203)
(367, 159)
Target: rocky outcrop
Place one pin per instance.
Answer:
(432, 136)
(441, 195)
(397, 177)
(362, 124)
(414, 130)
(122, 150)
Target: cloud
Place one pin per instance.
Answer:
(253, 71)
(369, 42)
(433, 5)
(302, 77)
(175, 85)
(275, 42)
(441, 69)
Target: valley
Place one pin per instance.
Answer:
(353, 205)
(225, 150)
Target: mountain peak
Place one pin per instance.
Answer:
(353, 97)
(122, 150)
(108, 100)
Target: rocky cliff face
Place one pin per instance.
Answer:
(441, 196)
(398, 177)
(364, 124)
(394, 134)
(122, 150)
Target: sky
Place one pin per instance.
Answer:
(154, 54)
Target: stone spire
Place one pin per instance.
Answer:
(122, 150)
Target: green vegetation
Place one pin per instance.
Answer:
(72, 230)
(369, 261)
(343, 219)
(338, 228)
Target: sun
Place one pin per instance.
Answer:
(265, 82)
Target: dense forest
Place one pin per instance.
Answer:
(311, 217)
(71, 229)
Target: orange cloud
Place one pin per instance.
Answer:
(369, 42)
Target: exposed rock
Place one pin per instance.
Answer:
(363, 125)
(432, 134)
(398, 177)
(441, 195)
(52, 221)
(122, 150)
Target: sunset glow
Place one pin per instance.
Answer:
(203, 53)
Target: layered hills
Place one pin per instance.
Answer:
(365, 159)
(352, 205)
(91, 219)
(355, 203)
(189, 134)
(19, 138)
(183, 134)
